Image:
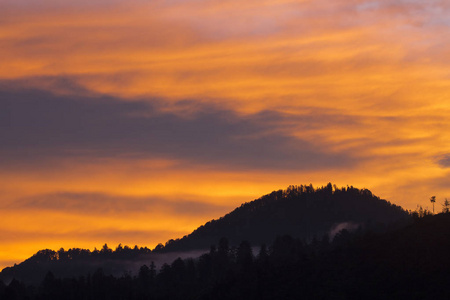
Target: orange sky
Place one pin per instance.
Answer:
(134, 122)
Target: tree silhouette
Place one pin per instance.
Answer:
(446, 206)
(433, 200)
(406, 262)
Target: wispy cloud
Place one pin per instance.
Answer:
(40, 125)
(444, 160)
(119, 105)
(96, 203)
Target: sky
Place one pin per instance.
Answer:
(135, 122)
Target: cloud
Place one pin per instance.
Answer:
(97, 235)
(444, 160)
(95, 117)
(96, 203)
(38, 126)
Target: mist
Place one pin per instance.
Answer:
(335, 229)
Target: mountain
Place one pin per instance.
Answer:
(404, 262)
(299, 211)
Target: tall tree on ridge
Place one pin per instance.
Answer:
(433, 200)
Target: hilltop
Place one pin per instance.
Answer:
(407, 262)
(303, 212)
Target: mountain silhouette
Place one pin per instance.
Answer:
(299, 211)
(303, 212)
(408, 261)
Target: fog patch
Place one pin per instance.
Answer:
(159, 259)
(336, 228)
(33, 273)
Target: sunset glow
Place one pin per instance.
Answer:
(135, 122)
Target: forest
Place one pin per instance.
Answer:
(403, 259)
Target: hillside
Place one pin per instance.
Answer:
(407, 262)
(300, 211)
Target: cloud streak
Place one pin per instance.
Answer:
(94, 204)
(444, 161)
(185, 108)
(39, 125)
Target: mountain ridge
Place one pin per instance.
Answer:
(301, 211)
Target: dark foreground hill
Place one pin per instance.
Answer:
(409, 262)
(299, 211)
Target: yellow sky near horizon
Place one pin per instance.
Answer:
(135, 122)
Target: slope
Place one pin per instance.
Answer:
(300, 211)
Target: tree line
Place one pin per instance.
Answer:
(406, 262)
